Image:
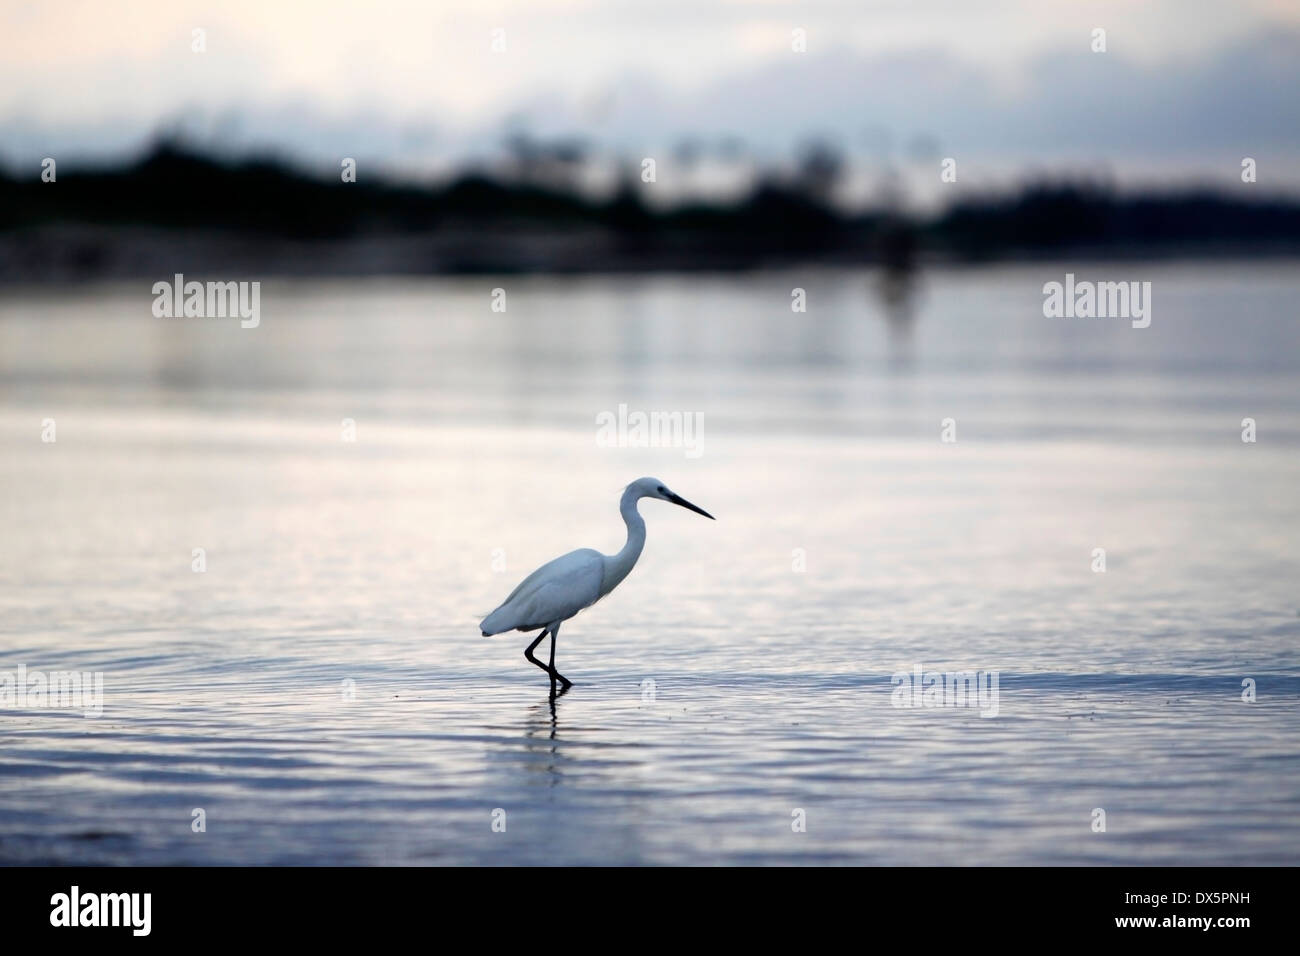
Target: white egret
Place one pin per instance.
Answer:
(573, 582)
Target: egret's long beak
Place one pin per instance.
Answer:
(679, 500)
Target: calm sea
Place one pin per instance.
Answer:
(319, 693)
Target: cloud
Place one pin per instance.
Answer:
(1189, 114)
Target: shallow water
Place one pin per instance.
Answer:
(322, 693)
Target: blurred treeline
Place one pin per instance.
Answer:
(176, 209)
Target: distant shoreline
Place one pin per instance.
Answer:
(52, 255)
(175, 211)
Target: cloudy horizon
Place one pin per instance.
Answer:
(1181, 94)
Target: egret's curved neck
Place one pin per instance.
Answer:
(617, 566)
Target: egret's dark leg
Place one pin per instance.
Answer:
(551, 670)
(556, 675)
(528, 652)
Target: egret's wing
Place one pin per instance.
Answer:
(554, 592)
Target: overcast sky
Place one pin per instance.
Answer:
(1186, 87)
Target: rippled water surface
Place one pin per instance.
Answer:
(322, 693)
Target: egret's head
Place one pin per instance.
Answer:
(654, 488)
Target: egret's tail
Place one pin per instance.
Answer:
(495, 623)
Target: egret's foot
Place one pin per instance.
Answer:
(556, 675)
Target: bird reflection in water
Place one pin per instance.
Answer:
(541, 736)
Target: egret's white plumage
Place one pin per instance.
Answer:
(554, 592)
(575, 581)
